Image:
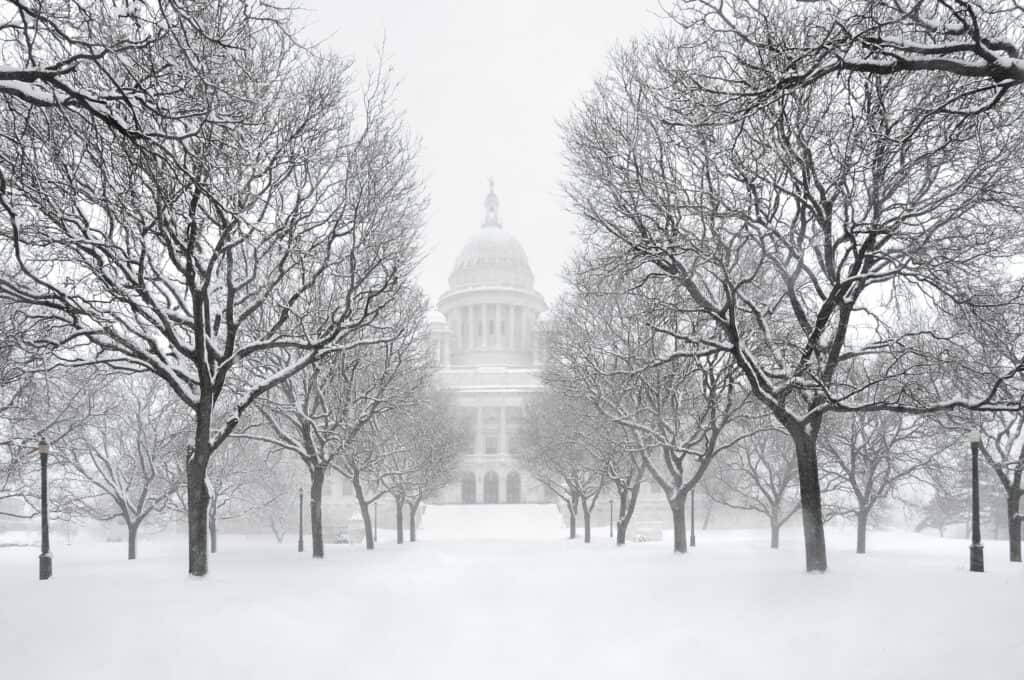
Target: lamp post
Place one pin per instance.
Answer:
(693, 512)
(45, 559)
(300, 519)
(977, 549)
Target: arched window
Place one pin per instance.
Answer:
(491, 487)
(469, 488)
(513, 488)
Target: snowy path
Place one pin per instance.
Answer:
(493, 610)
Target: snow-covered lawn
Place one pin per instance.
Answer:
(525, 610)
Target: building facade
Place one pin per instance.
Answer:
(487, 338)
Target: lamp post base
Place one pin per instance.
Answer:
(977, 557)
(45, 566)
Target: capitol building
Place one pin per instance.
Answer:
(487, 340)
(486, 336)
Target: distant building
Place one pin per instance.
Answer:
(488, 343)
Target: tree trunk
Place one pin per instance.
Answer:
(213, 529)
(573, 506)
(279, 531)
(806, 445)
(709, 506)
(678, 506)
(627, 504)
(198, 501)
(586, 521)
(316, 518)
(399, 529)
(862, 530)
(775, 533)
(1013, 522)
(412, 521)
(364, 511)
(620, 533)
(133, 535)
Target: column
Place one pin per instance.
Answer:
(492, 322)
(512, 344)
(502, 327)
(478, 446)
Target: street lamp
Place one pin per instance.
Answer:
(693, 513)
(977, 549)
(300, 519)
(45, 559)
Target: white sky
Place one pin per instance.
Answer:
(484, 84)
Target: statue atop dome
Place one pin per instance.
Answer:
(491, 208)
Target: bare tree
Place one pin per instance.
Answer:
(236, 482)
(618, 349)
(623, 470)
(423, 441)
(440, 436)
(327, 414)
(81, 58)
(760, 476)
(801, 233)
(976, 43)
(46, 406)
(274, 489)
(870, 456)
(559, 456)
(200, 260)
(123, 454)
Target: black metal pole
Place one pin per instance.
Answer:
(300, 519)
(977, 549)
(693, 511)
(375, 521)
(45, 559)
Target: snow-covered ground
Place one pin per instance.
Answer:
(525, 610)
(511, 522)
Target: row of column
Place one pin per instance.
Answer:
(490, 487)
(494, 326)
(495, 422)
(483, 429)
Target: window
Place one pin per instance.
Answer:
(514, 428)
(492, 429)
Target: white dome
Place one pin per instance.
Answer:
(435, 318)
(492, 256)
